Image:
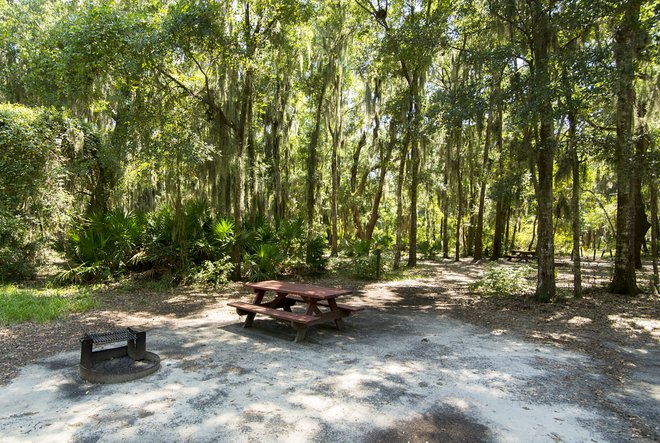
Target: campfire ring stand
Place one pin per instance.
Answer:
(118, 364)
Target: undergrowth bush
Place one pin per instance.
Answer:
(190, 245)
(18, 256)
(211, 272)
(364, 262)
(505, 280)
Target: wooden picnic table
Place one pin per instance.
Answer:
(321, 305)
(521, 255)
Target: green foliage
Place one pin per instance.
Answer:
(430, 248)
(17, 253)
(505, 281)
(41, 306)
(211, 272)
(316, 259)
(363, 267)
(224, 235)
(263, 264)
(101, 245)
(291, 234)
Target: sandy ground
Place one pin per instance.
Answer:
(391, 374)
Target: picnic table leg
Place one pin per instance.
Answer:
(332, 303)
(249, 319)
(300, 335)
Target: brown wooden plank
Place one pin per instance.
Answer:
(243, 308)
(317, 292)
(341, 306)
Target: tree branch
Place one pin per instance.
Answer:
(596, 125)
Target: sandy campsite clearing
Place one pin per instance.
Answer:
(427, 361)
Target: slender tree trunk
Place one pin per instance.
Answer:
(413, 122)
(575, 208)
(641, 223)
(653, 191)
(399, 206)
(485, 164)
(624, 280)
(337, 134)
(312, 154)
(384, 162)
(542, 34)
(414, 187)
(459, 189)
(472, 194)
(500, 206)
(575, 192)
(357, 187)
(445, 203)
(278, 136)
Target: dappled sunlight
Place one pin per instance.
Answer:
(635, 325)
(401, 360)
(217, 382)
(579, 321)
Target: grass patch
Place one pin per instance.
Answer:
(42, 305)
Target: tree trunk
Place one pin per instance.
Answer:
(399, 206)
(336, 134)
(542, 35)
(653, 191)
(413, 123)
(641, 223)
(384, 162)
(278, 136)
(459, 188)
(312, 179)
(501, 210)
(624, 280)
(445, 203)
(485, 164)
(575, 191)
(356, 187)
(575, 208)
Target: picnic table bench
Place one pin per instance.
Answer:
(520, 255)
(321, 305)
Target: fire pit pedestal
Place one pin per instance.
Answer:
(118, 364)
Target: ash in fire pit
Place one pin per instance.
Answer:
(118, 364)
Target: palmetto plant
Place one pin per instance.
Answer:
(102, 244)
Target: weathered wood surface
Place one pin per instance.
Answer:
(299, 289)
(287, 295)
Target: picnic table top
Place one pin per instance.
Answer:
(312, 291)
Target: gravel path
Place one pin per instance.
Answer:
(427, 362)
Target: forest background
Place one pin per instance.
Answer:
(218, 140)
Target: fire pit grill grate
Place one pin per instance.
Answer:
(118, 364)
(111, 337)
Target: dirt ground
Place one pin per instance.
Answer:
(619, 336)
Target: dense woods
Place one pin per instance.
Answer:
(245, 139)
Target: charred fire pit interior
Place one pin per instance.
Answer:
(116, 364)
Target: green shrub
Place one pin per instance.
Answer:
(213, 272)
(505, 280)
(20, 305)
(430, 249)
(262, 264)
(101, 245)
(291, 234)
(316, 259)
(18, 256)
(223, 236)
(363, 267)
